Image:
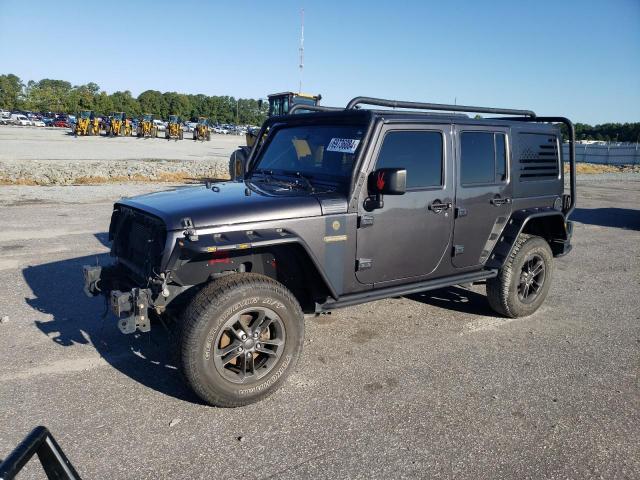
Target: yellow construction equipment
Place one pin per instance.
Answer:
(117, 125)
(82, 124)
(279, 104)
(146, 127)
(202, 131)
(174, 128)
(94, 125)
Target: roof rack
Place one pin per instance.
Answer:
(381, 102)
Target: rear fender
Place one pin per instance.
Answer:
(547, 223)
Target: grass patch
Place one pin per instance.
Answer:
(594, 168)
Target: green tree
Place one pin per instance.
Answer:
(11, 92)
(152, 101)
(124, 102)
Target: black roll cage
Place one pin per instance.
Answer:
(518, 115)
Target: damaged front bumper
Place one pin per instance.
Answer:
(131, 306)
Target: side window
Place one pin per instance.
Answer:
(420, 152)
(483, 158)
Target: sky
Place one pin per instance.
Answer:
(579, 59)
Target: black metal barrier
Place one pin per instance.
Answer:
(39, 442)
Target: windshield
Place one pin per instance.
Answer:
(316, 152)
(202, 121)
(173, 119)
(147, 118)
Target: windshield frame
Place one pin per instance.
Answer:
(343, 182)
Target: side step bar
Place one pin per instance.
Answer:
(398, 290)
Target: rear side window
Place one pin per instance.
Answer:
(419, 152)
(483, 158)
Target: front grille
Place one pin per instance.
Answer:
(138, 240)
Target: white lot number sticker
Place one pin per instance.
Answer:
(343, 145)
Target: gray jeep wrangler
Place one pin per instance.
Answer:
(339, 207)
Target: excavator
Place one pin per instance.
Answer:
(279, 104)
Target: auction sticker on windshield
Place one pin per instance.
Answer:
(343, 145)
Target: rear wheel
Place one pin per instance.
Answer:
(524, 280)
(241, 337)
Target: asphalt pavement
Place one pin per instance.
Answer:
(431, 386)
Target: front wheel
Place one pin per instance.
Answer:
(524, 280)
(241, 337)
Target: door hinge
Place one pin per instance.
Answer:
(363, 264)
(365, 221)
(458, 250)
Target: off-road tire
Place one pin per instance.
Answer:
(205, 316)
(502, 291)
(238, 156)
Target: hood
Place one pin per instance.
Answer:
(223, 204)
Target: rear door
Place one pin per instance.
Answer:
(483, 192)
(409, 236)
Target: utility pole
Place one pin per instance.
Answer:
(301, 49)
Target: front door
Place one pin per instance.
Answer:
(483, 196)
(410, 235)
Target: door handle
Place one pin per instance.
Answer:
(437, 206)
(497, 201)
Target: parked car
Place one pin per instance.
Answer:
(37, 123)
(61, 122)
(48, 121)
(19, 119)
(160, 125)
(220, 130)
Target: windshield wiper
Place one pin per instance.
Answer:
(306, 178)
(266, 173)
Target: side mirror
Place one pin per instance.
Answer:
(388, 181)
(385, 181)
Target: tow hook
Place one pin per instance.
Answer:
(132, 309)
(91, 280)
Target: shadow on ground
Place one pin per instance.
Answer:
(608, 217)
(456, 299)
(58, 291)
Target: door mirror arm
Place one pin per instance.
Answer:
(373, 202)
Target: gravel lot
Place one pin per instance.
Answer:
(53, 156)
(460, 394)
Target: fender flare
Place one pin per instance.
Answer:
(244, 243)
(516, 225)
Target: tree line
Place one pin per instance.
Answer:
(60, 96)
